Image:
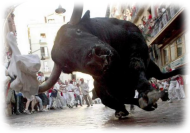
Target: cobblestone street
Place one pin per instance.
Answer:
(167, 115)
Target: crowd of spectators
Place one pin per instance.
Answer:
(68, 94)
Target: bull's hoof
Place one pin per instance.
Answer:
(148, 103)
(121, 114)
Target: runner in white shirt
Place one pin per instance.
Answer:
(64, 92)
(85, 92)
(70, 91)
(77, 93)
(59, 99)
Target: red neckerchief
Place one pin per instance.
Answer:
(8, 88)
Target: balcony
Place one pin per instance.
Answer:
(136, 13)
(168, 25)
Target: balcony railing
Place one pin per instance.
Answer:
(153, 27)
(136, 13)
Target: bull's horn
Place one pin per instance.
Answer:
(77, 13)
(51, 80)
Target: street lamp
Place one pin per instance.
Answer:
(60, 10)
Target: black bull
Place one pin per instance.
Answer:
(115, 53)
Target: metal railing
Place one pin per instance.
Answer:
(136, 12)
(159, 23)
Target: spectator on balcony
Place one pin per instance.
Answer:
(164, 16)
(144, 20)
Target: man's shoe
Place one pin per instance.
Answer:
(33, 111)
(17, 113)
(27, 112)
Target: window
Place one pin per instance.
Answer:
(51, 20)
(42, 38)
(166, 55)
(173, 51)
(44, 52)
(179, 47)
(46, 68)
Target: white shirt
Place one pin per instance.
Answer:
(41, 79)
(56, 86)
(70, 87)
(84, 88)
(77, 91)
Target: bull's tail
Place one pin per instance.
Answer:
(154, 71)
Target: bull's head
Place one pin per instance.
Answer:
(77, 49)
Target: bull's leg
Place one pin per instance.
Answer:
(108, 100)
(148, 96)
(120, 110)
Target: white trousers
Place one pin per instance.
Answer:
(51, 101)
(65, 98)
(71, 98)
(173, 90)
(59, 100)
(181, 91)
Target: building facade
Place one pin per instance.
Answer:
(41, 39)
(163, 27)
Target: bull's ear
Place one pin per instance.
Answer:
(86, 17)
